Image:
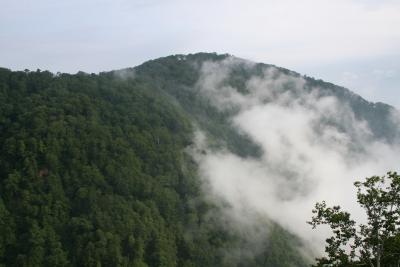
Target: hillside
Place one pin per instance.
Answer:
(96, 169)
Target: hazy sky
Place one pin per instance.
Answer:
(355, 43)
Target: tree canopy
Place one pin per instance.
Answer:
(375, 242)
(93, 172)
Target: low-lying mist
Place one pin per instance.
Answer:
(313, 149)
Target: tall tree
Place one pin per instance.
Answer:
(371, 242)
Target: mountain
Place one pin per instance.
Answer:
(102, 169)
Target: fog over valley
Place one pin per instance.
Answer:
(313, 148)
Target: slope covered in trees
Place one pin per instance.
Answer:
(93, 173)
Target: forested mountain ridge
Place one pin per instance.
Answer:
(94, 171)
(178, 74)
(93, 174)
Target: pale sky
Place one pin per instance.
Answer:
(354, 43)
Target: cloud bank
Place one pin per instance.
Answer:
(313, 149)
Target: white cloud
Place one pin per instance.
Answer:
(383, 74)
(306, 158)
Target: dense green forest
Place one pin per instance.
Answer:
(93, 168)
(93, 173)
